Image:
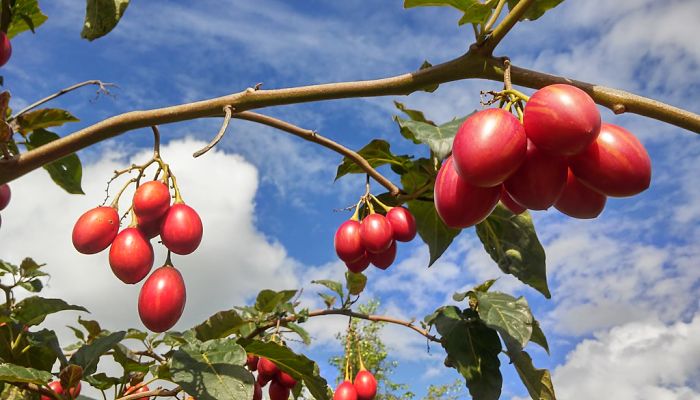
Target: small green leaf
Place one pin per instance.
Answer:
(33, 310)
(415, 115)
(512, 242)
(328, 299)
(431, 229)
(538, 336)
(101, 16)
(268, 300)
(377, 153)
(28, 266)
(26, 15)
(89, 355)
(33, 286)
(15, 373)
(135, 334)
(219, 325)
(43, 118)
(511, 317)
(438, 138)
(537, 9)
(67, 172)
(303, 334)
(475, 12)
(101, 381)
(355, 282)
(337, 287)
(7, 267)
(93, 328)
(128, 360)
(537, 381)
(429, 88)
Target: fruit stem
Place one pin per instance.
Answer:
(516, 93)
(156, 142)
(356, 214)
(168, 261)
(359, 356)
(348, 349)
(371, 207)
(115, 202)
(133, 222)
(384, 206)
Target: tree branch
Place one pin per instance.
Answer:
(155, 393)
(102, 88)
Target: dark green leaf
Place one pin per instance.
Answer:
(101, 16)
(355, 282)
(43, 118)
(438, 138)
(93, 328)
(101, 381)
(33, 310)
(33, 286)
(511, 317)
(135, 334)
(67, 172)
(219, 325)
(15, 373)
(537, 381)
(377, 152)
(70, 376)
(28, 266)
(415, 115)
(89, 355)
(43, 349)
(512, 242)
(26, 15)
(431, 229)
(538, 336)
(128, 360)
(268, 300)
(537, 9)
(337, 287)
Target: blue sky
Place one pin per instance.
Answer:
(624, 314)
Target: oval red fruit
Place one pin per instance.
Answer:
(360, 264)
(561, 119)
(263, 380)
(257, 391)
(151, 200)
(376, 233)
(510, 204)
(286, 380)
(56, 387)
(580, 201)
(403, 224)
(95, 230)
(538, 183)
(181, 230)
(5, 194)
(345, 391)
(151, 228)
(267, 367)
(278, 391)
(162, 299)
(131, 256)
(365, 385)
(5, 48)
(252, 362)
(385, 259)
(460, 204)
(616, 164)
(489, 147)
(347, 241)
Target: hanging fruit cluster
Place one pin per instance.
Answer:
(372, 239)
(131, 257)
(5, 195)
(558, 153)
(364, 387)
(281, 383)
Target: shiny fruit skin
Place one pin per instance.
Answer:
(385, 259)
(286, 380)
(278, 392)
(538, 183)
(345, 391)
(365, 385)
(151, 228)
(347, 241)
(263, 380)
(137, 389)
(5, 49)
(460, 204)
(403, 224)
(131, 256)
(5, 194)
(561, 119)
(151, 200)
(267, 367)
(181, 230)
(252, 362)
(510, 204)
(360, 264)
(489, 146)
(616, 164)
(257, 391)
(162, 299)
(376, 233)
(580, 201)
(95, 230)
(56, 387)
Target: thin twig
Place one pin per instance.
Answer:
(228, 110)
(494, 17)
(102, 89)
(155, 392)
(505, 26)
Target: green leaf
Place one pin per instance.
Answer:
(212, 370)
(268, 299)
(537, 381)
(101, 16)
(328, 299)
(537, 9)
(33, 286)
(438, 138)
(89, 355)
(296, 365)
(101, 381)
(26, 15)
(135, 334)
(44, 349)
(28, 266)
(431, 229)
(414, 115)
(7, 267)
(67, 172)
(511, 317)
(93, 328)
(128, 360)
(43, 118)
(377, 152)
(33, 310)
(472, 349)
(512, 242)
(219, 325)
(337, 287)
(538, 336)
(355, 282)
(429, 88)
(15, 373)
(303, 334)
(474, 11)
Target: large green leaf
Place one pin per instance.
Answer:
(101, 16)
(32, 310)
(43, 349)
(219, 325)
(43, 118)
(537, 381)
(67, 172)
(296, 365)
(89, 355)
(512, 242)
(475, 11)
(506, 314)
(26, 15)
(268, 300)
(377, 152)
(15, 373)
(438, 138)
(212, 370)
(472, 349)
(537, 9)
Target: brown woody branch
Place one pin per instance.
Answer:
(152, 393)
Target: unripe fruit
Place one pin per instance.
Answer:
(345, 391)
(162, 299)
(360, 264)
(267, 367)
(347, 241)
(403, 224)
(286, 380)
(252, 362)
(137, 389)
(510, 204)
(460, 204)
(538, 183)
(616, 164)
(385, 259)
(56, 387)
(278, 392)
(489, 147)
(257, 391)
(151, 200)
(365, 385)
(376, 233)
(131, 256)
(5, 48)
(151, 228)
(561, 119)
(580, 201)
(5, 195)
(181, 230)
(95, 230)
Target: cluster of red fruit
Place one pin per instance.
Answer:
(373, 239)
(5, 49)
(561, 155)
(162, 297)
(72, 393)
(364, 387)
(5, 195)
(281, 383)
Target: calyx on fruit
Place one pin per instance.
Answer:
(181, 229)
(95, 230)
(162, 299)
